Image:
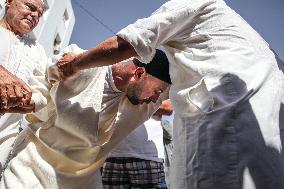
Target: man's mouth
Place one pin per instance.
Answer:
(147, 101)
(31, 23)
(136, 101)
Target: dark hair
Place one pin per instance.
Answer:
(158, 67)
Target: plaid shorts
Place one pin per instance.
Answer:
(124, 173)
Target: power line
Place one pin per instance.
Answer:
(94, 17)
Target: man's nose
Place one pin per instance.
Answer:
(35, 15)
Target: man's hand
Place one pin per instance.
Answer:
(166, 108)
(66, 66)
(27, 108)
(13, 91)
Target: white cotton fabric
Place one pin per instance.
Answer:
(206, 42)
(26, 59)
(145, 142)
(84, 124)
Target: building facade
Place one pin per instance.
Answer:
(55, 27)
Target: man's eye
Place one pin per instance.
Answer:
(159, 92)
(32, 8)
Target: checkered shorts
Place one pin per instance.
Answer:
(124, 173)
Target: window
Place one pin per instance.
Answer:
(46, 5)
(66, 18)
(56, 45)
(2, 2)
(46, 9)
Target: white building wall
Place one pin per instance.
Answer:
(55, 27)
(2, 8)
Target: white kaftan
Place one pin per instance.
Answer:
(84, 124)
(227, 90)
(27, 60)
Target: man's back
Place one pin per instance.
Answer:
(145, 142)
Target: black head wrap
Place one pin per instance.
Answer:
(158, 67)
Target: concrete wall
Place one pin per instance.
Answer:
(2, 8)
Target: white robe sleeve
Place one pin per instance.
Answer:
(38, 83)
(167, 23)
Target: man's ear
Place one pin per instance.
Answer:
(139, 72)
(8, 3)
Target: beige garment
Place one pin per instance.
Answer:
(74, 142)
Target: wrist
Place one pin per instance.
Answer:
(76, 63)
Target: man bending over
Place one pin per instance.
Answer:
(87, 116)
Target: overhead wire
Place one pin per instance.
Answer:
(93, 16)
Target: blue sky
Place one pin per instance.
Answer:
(265, 16)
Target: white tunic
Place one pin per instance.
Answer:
(227, 90)
(26, 59)
(145, 142)
(84, 124)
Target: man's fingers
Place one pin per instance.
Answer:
(18, 91)
(66, 57)
(26, 91)
(13, 90)
(28, 108)
(4, 98)
(26, 98)
(2, 112)
(12, 100)
(25, 86)
(61, 61)
(21, 84)
(10, 92)
(65, 65)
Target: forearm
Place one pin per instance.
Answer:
(111, 51)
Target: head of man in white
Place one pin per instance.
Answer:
(22, 16)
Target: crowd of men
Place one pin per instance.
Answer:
(93, 117)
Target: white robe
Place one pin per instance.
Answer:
(25, 58)
(227, 89)
(67, 150)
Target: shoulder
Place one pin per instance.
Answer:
(4, 35)
(179, 6)
(175, 5)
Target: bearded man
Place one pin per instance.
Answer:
(88, 115)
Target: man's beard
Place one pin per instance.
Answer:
(132, 96)
(134, 100)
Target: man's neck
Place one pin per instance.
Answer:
(5, 25)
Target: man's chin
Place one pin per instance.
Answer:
(135, 103)
(25, 28)
(134, 100)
